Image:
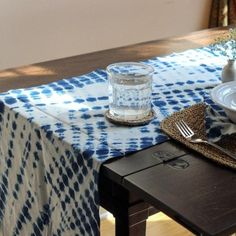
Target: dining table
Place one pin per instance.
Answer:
(194, 191)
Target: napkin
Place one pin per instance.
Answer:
(217, 124)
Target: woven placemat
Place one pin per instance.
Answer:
(194, 116)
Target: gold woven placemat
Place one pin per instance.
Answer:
(194, 116)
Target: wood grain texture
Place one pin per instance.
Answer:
(141, 160)
(201, 196)
(46, 72)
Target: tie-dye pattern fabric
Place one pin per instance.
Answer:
(216, 121)
(54, 138)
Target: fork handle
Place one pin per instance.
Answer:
(230, 154)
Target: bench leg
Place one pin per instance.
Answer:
(129, 210)
(131, 221)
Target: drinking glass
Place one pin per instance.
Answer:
(130, 89)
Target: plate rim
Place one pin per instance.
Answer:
(231, 85)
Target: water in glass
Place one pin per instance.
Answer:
(130, 88)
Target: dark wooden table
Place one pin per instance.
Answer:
(168, 177)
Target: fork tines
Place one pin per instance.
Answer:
(184, 129)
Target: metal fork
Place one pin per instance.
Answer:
(188, 133)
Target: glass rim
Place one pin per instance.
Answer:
(148, 69)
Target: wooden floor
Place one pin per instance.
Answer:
(158, 224)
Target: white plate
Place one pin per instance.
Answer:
(225, 96)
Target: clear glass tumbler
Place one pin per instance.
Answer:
(130, 90)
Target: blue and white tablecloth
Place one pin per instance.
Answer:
(54, 138)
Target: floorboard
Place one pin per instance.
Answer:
(158, 224)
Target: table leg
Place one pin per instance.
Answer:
(129, 211)
(131, 221)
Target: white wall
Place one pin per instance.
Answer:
(33, 31)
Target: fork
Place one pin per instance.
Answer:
(188, 134)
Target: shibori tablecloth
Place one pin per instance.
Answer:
(54, 137)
